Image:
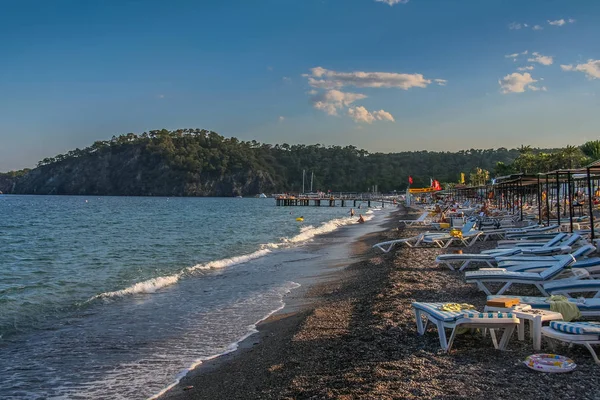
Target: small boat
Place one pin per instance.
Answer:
(300, 219)
(238, 197)
(262, 196)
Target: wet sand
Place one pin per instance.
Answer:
(354, 337)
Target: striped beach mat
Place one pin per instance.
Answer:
(576, 328)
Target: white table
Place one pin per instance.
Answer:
(536, 319)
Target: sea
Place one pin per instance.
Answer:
(119, 297)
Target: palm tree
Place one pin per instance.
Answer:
(525, 149)
(570, 152)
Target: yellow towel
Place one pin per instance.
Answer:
(562, 305)
(456, 307)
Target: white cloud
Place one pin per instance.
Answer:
(333, 100)
(560, 22)
(591, 69)
(538, 58)
(537, 28)
(281, 118)
(286, 79)
(535, 88)
(383, 116)
(327, 79)
(526, 68)
(515, 26)
(441, 82)
(392, 2)
(514, 56)
(517, 83)
(361, 114)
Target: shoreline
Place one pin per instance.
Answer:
(272, 331)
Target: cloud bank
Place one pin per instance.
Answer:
(327, 94)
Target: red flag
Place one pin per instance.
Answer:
(436, 185)
(410, 181)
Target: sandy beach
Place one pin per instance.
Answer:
(354, 337)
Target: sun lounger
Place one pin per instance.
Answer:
(422, 220)
(467, 237)
(386, 247)
(587, 307)
(512, 260)
(529, 230)
(591, 265)
(508, 278)
(444, 241)
(425, 312)
(467, 259)
(583, 333)
(568, 287)
(545, 241)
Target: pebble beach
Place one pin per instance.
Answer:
(353, 336)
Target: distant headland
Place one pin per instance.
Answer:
(198, 162)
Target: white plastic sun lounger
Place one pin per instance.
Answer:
(508, 278)
(537, 241)
(425, 312)
(444, 241)
(516, 233)
(422, 220)
(591, 265)
(386, 247)
(467, 259)
(583, 333)
(567, 287)
(516, 259)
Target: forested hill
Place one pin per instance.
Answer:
(194, 162)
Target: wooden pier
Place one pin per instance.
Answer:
(290, 201)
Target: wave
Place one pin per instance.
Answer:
(306, 233)
(152, 285)
(309, 232)
(149, 286)
(218, 264)
(233, 346)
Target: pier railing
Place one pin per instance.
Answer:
(335, 199)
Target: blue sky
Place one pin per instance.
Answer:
(381, 75)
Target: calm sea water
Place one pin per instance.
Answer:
(116, 297)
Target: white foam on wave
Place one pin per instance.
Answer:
(152, 285)
(149, 286)
(233, 346)
(219, 264)
(309, 232)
